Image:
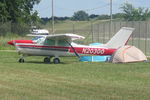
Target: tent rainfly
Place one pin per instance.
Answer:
(127, 54)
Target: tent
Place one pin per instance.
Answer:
(127, 54)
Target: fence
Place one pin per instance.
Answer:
(140, 37)
(101, 32)
(97, 31)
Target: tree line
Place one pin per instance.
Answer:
(21, 11)
(129, 13)
(21, 15)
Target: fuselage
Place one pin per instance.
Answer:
(41, 48)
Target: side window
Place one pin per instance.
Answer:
(49, 42)
(62, 43)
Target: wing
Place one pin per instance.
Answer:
(66, 37)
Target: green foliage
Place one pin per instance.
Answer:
(80, 16)
(102, 17)
(5, 28)
(20, 28)
(135, 14)
(9, 28)
(18, 11)
(118, 15)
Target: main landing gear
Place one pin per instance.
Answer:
(55, 60)
(46, 60)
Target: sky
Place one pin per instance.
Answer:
(67, 8)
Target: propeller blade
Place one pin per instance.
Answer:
(15, 45)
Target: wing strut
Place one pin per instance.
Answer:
(76, 53)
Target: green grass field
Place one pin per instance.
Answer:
(71, 80)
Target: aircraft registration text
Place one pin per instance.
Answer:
(93, 51)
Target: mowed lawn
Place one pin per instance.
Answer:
(71, 80)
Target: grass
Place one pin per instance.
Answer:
(71, 80)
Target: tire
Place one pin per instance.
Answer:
(46, 60)
(56, 61)
(21, 60)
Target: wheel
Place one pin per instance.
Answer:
(46, 60)
(21, 60)
(56, 61)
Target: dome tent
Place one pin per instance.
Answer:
(127, 54)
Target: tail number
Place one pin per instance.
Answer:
(93, 51)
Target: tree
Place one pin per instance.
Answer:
(134, 14)
(3, 12)
(17, 10)
(102, 17)
(80, 16)
(35, 18)
(93, 16)
(118, 15)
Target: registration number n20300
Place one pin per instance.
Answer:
(93, 51)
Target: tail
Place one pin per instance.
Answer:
(120, 38)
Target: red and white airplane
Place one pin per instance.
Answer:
(62, 45)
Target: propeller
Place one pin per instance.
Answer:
(76, 53)
(15, 45)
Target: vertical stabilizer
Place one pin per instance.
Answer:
(120, 38)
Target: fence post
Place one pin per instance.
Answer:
(132, 33)
(73, 27)
(114, 27)
(139, 34)
(104, 32)
(110, 24)
(146, 37)
(98, 26)
(120, 24)
(92, 30)
(11, 31)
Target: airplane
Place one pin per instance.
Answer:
(62, 45)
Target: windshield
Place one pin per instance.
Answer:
(38, 39)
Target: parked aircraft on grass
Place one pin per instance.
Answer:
(62, 45)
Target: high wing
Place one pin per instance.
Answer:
(67, 37)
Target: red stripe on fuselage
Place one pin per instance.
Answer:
(81, 50)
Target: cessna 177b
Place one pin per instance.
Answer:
(62, 45)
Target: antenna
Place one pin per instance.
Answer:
(110, 10)
(52, 16)
(110, 19)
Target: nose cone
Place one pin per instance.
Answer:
(11, 42)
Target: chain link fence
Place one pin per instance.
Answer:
(102, 32)
(140, 37)
(97, 31)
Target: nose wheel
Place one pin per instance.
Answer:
(21, 60)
